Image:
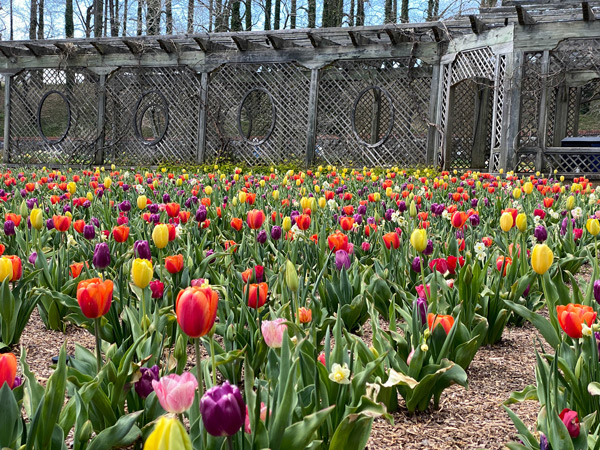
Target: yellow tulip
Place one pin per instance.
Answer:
(208, 190)
(521, 222)
(412, 209)
(304, 203)
(517, 193)
(141, 272)
(242, 196)
(376, 196)
(275, 195)
(593, 226)
(36, 218)
(317, 189)
(287, 224)
(506, 221)
(262, 183)
(528, 187)
(541, 258)
(160, 235)
(142, 202)
(418, 239)
(179, 182)
(90, 196)
(71, 187)
(6, 269)
(389, 191)
(322, 202)
(298, 182)
(107, 182)
(562, 178)
(570, 202)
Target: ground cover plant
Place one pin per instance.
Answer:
(230, 308)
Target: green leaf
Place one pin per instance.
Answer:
(529, 393)
(543, 326)
(10, 418)
(121, 434)
(300, 434)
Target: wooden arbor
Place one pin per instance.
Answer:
(497, 90)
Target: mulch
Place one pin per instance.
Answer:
(470, 418)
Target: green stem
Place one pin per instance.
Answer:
(425, 291)
(98, 343)
(212, 359)
(198, 367)
(230, 442)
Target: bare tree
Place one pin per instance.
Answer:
(125, 5)
(69, 25)
(293, 12)
(277, 17)
(169, 15)
(404, 12)
(153, 17)
(140, 7)
(312, 13)
(98, 16)
(32, 19)
(236, 18)
(40, 19)
(190, 17)
(360, 13)
(248, 14)
(268, 14)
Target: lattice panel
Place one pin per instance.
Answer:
(530, 99)
(1, 114)
(578, 54)
(180, 87)
(495, 162)
(80, 88)
(288, 86)
(409, 85)
(499, 102)
(573, 163)
(551, 115)
(446, 79)
(526, 162)
(571, 112)
(480, 63)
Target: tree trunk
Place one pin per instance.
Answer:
(114, 27)
(40, 19)
(404, 12)
(395, 10)
(211, 11)
(12, 35)
(312, 13)
(388, 12)
(153, 18)
(124, 17)
(169, 15)
(33, 19)
(88, 20)
(267, 14)
(106, 10)
(360, 13)
(218, 15)
(139, 17)
(69, 25)
(351, 14)
(277, 17)
(236, 18)
(98, 13)
(293, 11)
(325, 19)
(190, 17)
(248, 13)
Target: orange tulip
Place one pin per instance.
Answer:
(61, 223)
(304, 315)
(571, 318)
(433, 320)
(337, 241)
(391, 240)
(75, 269)
(196, 310)
(303, 222)
(121, 233)
(17, 267)
(174, 264)
(172, 209)
(255, 219)
(257, 292)
(500, 261)
(347, 223)
(548, 202)
(78, 226)
(16, 219)
(8, 369)
(236, 223)
(459, 218)
(230, 244)
(94, 297)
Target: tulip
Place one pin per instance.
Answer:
(347, 223)
(258, 292)
(8, 369)
(304, 315)
(571, 318)
(291, 276)
(597, 291)
(6, 269)
(160, 236)
(421, 306)
(303, 222)
(593, 226)
(521, 222)
(143, 385)
(433, 320)
(174, 264)
(418, 240)
(541, 258)
(272, 331)
(89, 232)
(342, 260)
(196, 310)
(94, 297)
(506, 221)
(172, 209)
(176, 392)
(36, 218)
(17, 267)
(142, 202)
(571, 421)
(286, 224)
(236, 223)
(255, 219)
(157, 288)
(120, 233)
(570, 203)
(9, 228)
(391, 240)
(75, 269)
(101, 259)
(337, 241)
(141, 272)
(33, 258)
(61, 223)
(459, 218)
(223, 410)
(540, 233)
(276, 233)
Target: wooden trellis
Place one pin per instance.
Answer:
(497, 90)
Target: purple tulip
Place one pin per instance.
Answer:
(388, 214)
(421, 305)
(261, 237)
(66, 209)
(33, 258)
(474, 203)
(342, 259)
(9, 228)
(276, 232)
(358, 219)
(89, 232)
(101, 258)
(155, 218)
(166, 198)
(429, 248)
(31, 203)
(362, 210)
(125, 206)
(597, 336)
(153, 208)
(223, 410)
(544, 445)
(540, 233)
(143, 386)
(474, 219)
(416, 265)
(95, 222)
(402, 206)
(201, 214)
(50, 224)
(597, 290)
(142, 250)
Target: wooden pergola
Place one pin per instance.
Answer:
(501, 89)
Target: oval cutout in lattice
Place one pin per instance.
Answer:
(256, 116)
(372, 116)
(54, 117)
(151, 117)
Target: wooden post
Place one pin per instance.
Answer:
(375, 116)
(576, 112)
(512, 111)
(7, 84)
(543, 119)
(313, 106)
(562, 109)
(201, 143)
(101, 119)
(433, 115)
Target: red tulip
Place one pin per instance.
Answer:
(75, 269)
(255, 219)
(303, 221)
(571, 318)
(174, 264)
(347, 223)
(196, 310)
(391, 240)
(78, 226)
(17, 267)
(433, 320)
(337, 241)
(94, 297)
(257, 292)
(236, 223)
(61, 223)
(172, 209)
(571, 421)
(459, 218)
(16, 219)
(121, 233)
(8, 369)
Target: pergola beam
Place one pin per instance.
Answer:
(243, 44)
(39, 50)
(167, 45)
(588, 12)
(358, 40)
(477, 26)
(279, 43)
(105, 49)
(319, 41)
(135, 47)
(523, 16)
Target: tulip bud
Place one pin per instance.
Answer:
(275, 195)
(23, 210)
(522, 222)
(570, 203)
(418, 239)
(597, 291)
(412, 209)
(506, 221)
(541, 258)
(169, 433)
(287, 224)
(107, 182)
(223, 410)
(593, 226)
(291, 276)
(36, 218)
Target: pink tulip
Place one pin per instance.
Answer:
(272, 331)
(421, 291)
(366, 246)
(263, 417)
(176, 392)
